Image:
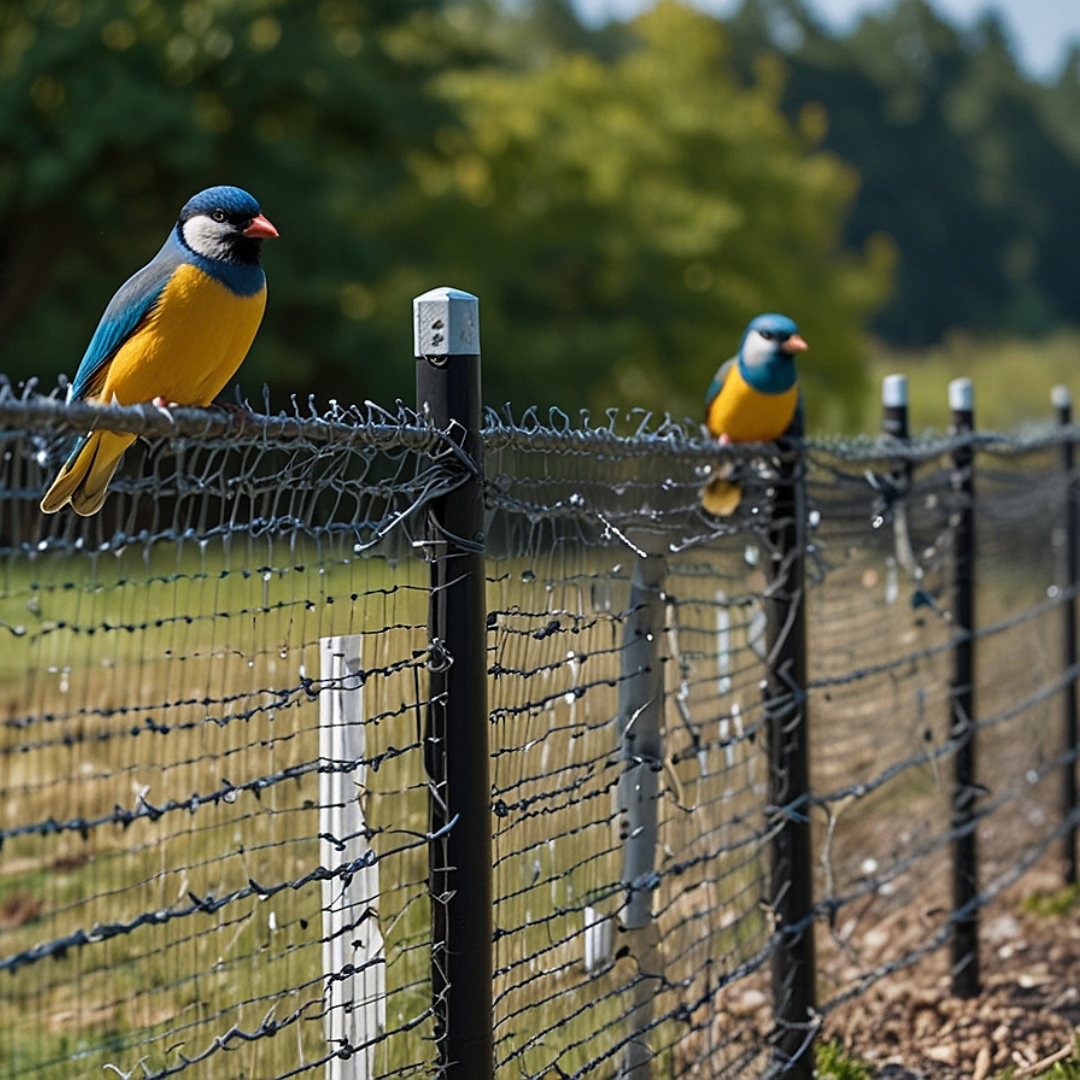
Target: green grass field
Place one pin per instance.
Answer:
(145, 685)
(134, 683)
(160, 723)
(1012, 378)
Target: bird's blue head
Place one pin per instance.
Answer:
(224, 224)
(232, 200)
(766, 353)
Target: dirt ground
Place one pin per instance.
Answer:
(908, 1027)
(1025, 1018)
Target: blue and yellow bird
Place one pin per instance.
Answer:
(174, 333)
(754, 397)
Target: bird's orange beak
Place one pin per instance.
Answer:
(262, 228)
(793, 344)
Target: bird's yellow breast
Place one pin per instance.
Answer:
(744, 414)
(189, 347)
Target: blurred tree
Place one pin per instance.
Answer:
(1061, 104)
(114, 112)
(968, 164)
(619, 201)
(623, 219)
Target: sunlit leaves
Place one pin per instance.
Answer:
(629, 217)
(621, 202)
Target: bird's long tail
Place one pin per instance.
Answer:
(84, 479)
(721, 495)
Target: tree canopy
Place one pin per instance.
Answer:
(969, 164)
(629, 217)
(114, 112)
(623, 200)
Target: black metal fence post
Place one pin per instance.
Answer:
(894, 425)
(1068, 573)
(447, 347)
(640, 727)
(965, 939)
(894, 401)
(791, 876)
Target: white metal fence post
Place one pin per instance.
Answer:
(354, 959)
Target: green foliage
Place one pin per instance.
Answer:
(833, 1064)
(1013, 378)
(623, 200)
(115, 112)
(629, 217)
(969, 165)
(619, 200)
(1056, 904)
(1069, 1069)
(1062, 1070)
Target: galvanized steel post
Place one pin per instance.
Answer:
(456, 751)
(640, 728)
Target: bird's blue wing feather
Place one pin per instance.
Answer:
(133, 302)
(718, 382)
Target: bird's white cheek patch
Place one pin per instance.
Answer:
(756, 350)
(206, 237)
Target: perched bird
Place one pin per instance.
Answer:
(173, 334)
(754, 397)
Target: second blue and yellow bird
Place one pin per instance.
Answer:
(753, 398)
(174, 333)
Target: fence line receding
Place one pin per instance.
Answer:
(249, 824)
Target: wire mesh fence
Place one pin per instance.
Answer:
(893, 811)
(199, 686)
(225, 800)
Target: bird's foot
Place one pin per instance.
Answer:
(164, 406)
(724, 439)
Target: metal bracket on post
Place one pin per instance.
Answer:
(791, 877)
(965, 940)
(456, 750)
(640, 728)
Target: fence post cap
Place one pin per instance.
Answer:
(894, 391)
(446, 322)
(961, 395)
(1061, 397)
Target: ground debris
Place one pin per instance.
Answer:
(909, 1026)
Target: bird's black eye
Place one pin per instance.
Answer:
(218, 215)
(768, 335)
